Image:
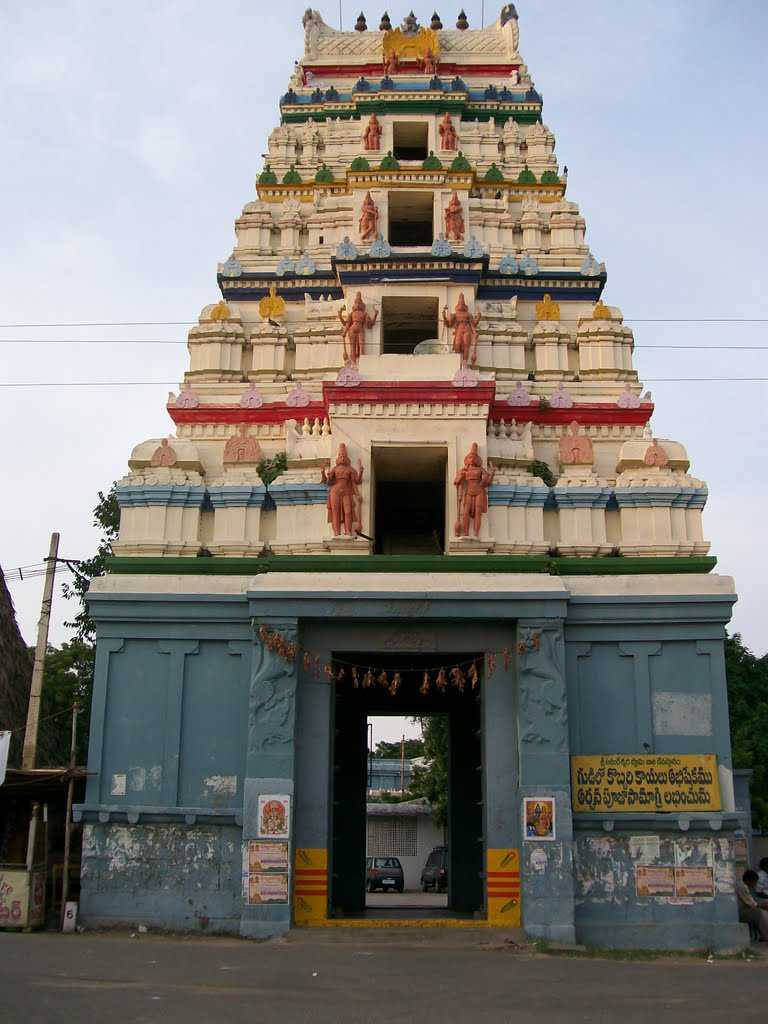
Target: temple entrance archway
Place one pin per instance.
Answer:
(416, 687)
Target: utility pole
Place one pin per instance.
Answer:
(68, 819)
(29, 754)
(402, 764)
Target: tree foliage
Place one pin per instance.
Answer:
(106, 516)
(431, 779)
(748, 703)
(412, 748)
(67, 680)
(68, 676)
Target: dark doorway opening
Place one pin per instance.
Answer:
(409, 506)
(464, 829)
(411, 216)
(407, 320)
(409, 140)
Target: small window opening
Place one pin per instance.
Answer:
(411, 218)
(407, 321)
(321, 240)
(410, 501)
(409, 140)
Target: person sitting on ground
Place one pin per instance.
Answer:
(762, 877)
(752, 908)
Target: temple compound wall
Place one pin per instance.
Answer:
(413, 470)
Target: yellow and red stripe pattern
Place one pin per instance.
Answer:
(503, 887)
(310, 886)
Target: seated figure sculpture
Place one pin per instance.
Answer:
(575, 448)
(344, 501)
(472, 482)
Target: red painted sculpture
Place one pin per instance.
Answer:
(448, 139)
(429, 64)
(372, 134)
(241, 447)
(655, 455)
(575, 448)
(472, 483)
(344, 499)
(164, 455)
(391, 63)
(369, 219)
(354, 329)
(464, 331)
(454, 220)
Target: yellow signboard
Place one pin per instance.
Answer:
(631, 783)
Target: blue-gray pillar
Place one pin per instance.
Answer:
(269, 757)
(547, 865)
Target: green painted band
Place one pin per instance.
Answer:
(216, 566)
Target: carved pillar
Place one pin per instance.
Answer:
(269, 767)
(547, 865)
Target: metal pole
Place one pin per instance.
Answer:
(68, 820)
(29, 754)
(402, 764)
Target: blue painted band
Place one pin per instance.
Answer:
(582, 497)
(661, 497)
(249, 496)
(299, 494)
(173, 495)
(517, 495)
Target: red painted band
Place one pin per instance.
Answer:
(585, 413)
(274, 412)
(421, 391)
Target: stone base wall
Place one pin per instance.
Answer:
(613, 911)
(180, 877)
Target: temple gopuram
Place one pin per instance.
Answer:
(411, 470)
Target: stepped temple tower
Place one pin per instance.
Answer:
(412, 471)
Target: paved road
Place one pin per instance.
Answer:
(337, 977)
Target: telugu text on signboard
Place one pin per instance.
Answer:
(648, 783)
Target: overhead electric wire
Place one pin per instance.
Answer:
(168, 341)
(175, 383)
(186, 323)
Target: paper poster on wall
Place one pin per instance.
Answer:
(274, 817)
(269, 888)
(267, 856)
(539, 817)
(694, 882)
(654, 881)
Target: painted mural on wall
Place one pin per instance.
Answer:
(645, 782)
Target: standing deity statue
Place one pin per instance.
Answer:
(472, 483)
(575, 448)
(369, 219)
(372, 134)
(344, 501)
(354, 329)
(448, 139)
(454, 219)
(429, 64)
(464, 327)
(391, 62)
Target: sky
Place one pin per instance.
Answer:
(131, 138)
